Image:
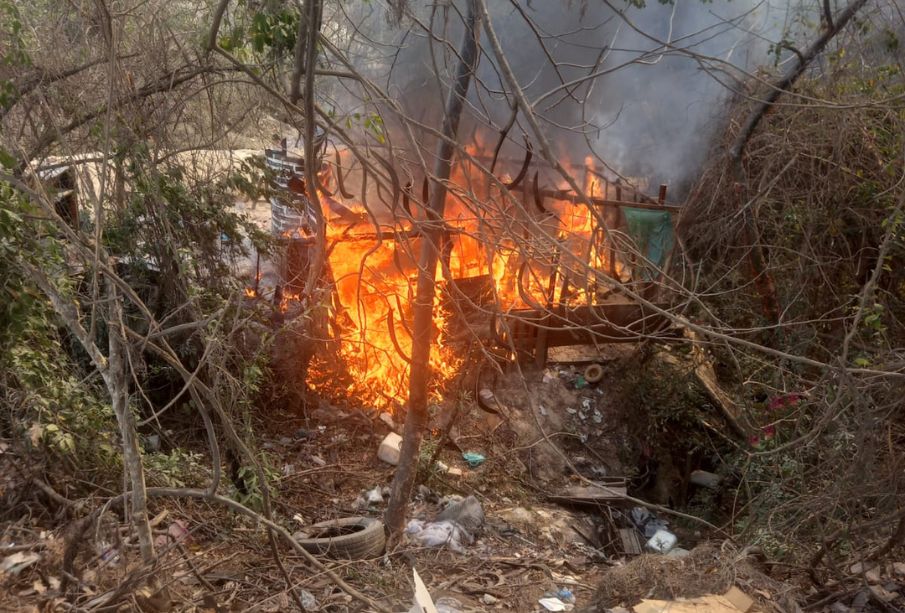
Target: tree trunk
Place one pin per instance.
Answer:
(423, 307)
(117, 385)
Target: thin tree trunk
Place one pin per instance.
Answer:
(423, 307)
(113, 371)
(117, 385)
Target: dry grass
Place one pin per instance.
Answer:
(707, 569)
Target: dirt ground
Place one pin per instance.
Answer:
(324, 459)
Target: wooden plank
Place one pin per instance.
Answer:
(631, 545)
(604, 492)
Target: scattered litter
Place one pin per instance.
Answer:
(706, 479)
(108, 554)
(455, 526)
(566, 595)
(571, 411)
(549, 376)
(598, 417)
(287, 470)
(319, 461)
(390, 448)
(424, 493)
(646, 522)
(309, 602)
(467, 512)
(19, 561)
(662, 541)
(542, 409)
(593, 373)
(388, 420)
(678, 552)
(580, 382)
(489, 599)
(368, 499)
(473, 458)
(421, 600)
(630, 544)
(439, 534)
(555, 604)
(374, 496)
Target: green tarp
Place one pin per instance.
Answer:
(653, 233)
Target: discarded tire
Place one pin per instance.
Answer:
(353, 538)
(593, 373)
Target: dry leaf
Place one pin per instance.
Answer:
(19, 561)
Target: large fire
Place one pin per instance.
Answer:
(374, 270)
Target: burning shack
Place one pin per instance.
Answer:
(526, 262)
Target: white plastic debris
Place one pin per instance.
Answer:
(662, 541)
(555, 604)
(423, 603)
(368, 499)
(390, 449)
(439, 534)
(375, 496)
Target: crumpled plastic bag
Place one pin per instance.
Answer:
(647, 523)
(444, 533)
(467, 512)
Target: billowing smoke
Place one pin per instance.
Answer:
(665, 73)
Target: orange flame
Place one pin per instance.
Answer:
(374, 279)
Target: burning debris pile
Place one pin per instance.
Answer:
(522, 267)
